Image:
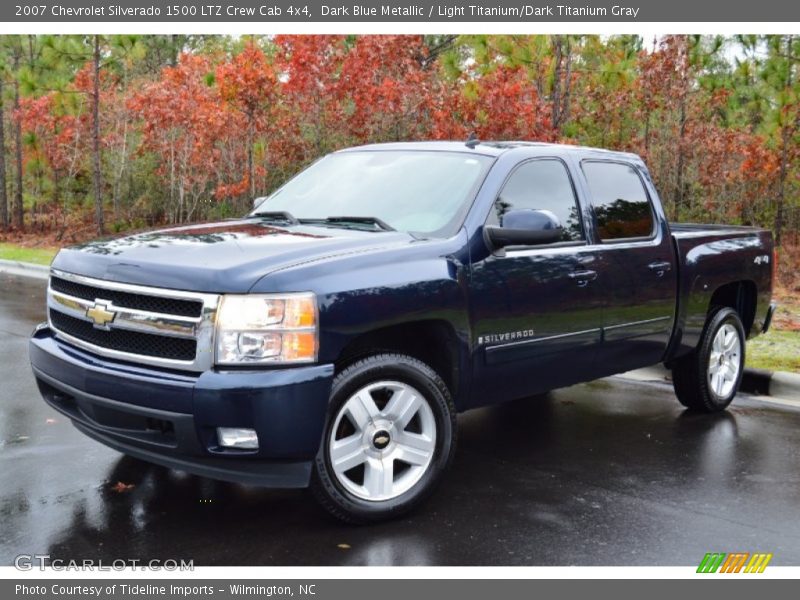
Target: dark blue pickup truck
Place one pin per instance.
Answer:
(330, 337)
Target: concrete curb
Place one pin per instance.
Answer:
(778, 384)
(754, 381)
(15, 267)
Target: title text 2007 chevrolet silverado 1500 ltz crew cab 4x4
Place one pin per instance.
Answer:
(330, 337)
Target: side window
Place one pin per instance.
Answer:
(541, 185)
(619, 199)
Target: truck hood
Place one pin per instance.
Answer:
(223, 257)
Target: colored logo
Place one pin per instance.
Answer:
(735, 562)
(101, 314)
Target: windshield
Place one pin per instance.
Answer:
(412, 191)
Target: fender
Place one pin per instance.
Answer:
(706, 268)
(424, 281)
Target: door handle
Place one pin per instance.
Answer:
(583, 277)
(660, 267)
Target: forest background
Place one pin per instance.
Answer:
(105, 134)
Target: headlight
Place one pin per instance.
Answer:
(269, 328)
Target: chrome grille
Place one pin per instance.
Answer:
(168, 306)
(121, 340)
(154, 326)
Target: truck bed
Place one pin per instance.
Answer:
(711, 257)
(690, 230)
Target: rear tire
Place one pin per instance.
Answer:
(389, 438)
(707, 379)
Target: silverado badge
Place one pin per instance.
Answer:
(509, 336)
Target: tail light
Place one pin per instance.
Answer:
(774, 266)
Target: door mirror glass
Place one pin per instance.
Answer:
(525, 227)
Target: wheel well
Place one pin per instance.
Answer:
(741, 297)
(434, 342)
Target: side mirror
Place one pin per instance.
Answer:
(525, 228)
(257, 201)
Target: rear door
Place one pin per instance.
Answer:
(635, 264)
(536, 310)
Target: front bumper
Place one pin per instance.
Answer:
(170, 418)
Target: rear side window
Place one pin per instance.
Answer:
(541, 185)
(620, 201)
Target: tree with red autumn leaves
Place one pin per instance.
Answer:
(185, 125)
(248, 85)
(223, 119)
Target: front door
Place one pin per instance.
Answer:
(536, 311)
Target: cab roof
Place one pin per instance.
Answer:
(494, 148)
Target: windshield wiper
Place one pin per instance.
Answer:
(278, 215)
(287, 217)
(361, 221)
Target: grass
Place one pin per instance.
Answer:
(779, 350)
(39, 256)
(775, 351)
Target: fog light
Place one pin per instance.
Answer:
(234, 437)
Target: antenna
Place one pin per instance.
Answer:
(472, 141)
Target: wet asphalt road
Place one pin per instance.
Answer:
(609, 473)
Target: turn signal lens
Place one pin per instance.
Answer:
(301, 312)
(299, 346)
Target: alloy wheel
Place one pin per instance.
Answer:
(725, 361)
(383, 440)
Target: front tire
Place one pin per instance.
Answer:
(389, 438)
(707, 379)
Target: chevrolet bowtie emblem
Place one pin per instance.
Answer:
(101, 314)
